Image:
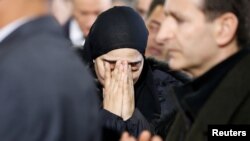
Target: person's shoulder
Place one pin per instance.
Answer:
(163, 71)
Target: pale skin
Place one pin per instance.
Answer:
(119, 90)
(118, 71)
(142, 7)
(22, 9)
(86, 11)
(155, 49)
(194, 43)
(144, 136)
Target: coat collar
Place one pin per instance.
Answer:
(36, 24)
(225, 100)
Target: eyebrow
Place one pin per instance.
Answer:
(174, 14)
(131, 62)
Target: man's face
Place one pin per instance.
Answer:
(86, 12)
(188, 36)
(132, 56)
(142, 7)
(61, 9)
(155, 49)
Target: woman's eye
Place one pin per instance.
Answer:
(135, 66)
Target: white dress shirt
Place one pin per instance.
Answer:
(75, 34)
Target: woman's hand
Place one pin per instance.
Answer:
(128, 103)
(112, 91)
(119, 90)
(144, 136)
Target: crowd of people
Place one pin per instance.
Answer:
(146, 70)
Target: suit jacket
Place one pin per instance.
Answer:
(229, 103)
(46, 93)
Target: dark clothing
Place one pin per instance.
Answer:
(66, 28)
(118, 27)
(46, 93)
(122, 27)
(151, 105)
(164, 82)
(193, 95)
(220, 96)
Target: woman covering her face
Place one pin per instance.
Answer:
(133, 91)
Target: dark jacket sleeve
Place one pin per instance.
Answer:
(113, 125)
(46, 93)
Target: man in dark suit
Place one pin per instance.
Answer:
(84, 13)
(208, 39)
(46, 93)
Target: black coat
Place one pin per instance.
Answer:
(152, 101)
(229, 103)
(43, 91)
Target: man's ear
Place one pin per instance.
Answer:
(225, 28)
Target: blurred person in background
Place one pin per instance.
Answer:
(121, 3)
(142, 7)
(85, 13)
(62, 10)
(154, 19)
(46, 93)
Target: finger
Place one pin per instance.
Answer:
(132, 139)
(120, 71)
(130, 76)
(145, 136)
(114, 77)
(125, 136)
(125, 79)
(120, 84)
(107, 75)
(130, 82)
(156, 138)
(103, 92)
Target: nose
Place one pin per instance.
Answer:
(90, 22)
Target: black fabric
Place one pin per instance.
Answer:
(66, 28)
(46, 93)
(121, 27)
(227, 104)
(163, 67)
(146, 115)
(146, 98)
(193, 95)
(155, 109)
(118, 27)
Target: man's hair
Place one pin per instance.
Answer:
(240, 8)
(127, 2)
(153, 5)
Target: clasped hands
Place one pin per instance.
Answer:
(118, 91)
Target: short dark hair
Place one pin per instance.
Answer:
(240, 8)
(153, 5)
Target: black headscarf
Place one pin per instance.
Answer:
(122, 27)
(118, 27)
